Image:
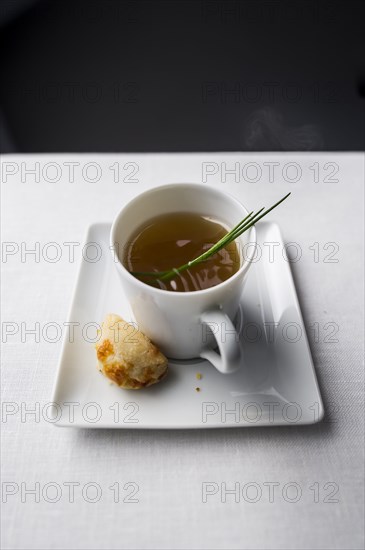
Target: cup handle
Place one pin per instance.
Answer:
(230, 357)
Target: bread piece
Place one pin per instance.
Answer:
(127, 356)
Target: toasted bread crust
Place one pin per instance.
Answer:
(128, 357)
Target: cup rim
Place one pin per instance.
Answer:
(241, 271)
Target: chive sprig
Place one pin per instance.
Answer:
(244, 225)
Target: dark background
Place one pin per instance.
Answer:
(114, 75)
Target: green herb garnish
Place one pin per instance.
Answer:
(250, 220)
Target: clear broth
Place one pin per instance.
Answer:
(171, 240)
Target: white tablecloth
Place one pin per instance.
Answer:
(179, 479)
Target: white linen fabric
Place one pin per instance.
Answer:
(275, 488)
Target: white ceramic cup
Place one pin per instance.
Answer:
(186, 325)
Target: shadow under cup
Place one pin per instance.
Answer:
(172, 320)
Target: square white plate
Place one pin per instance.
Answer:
(277, 386)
